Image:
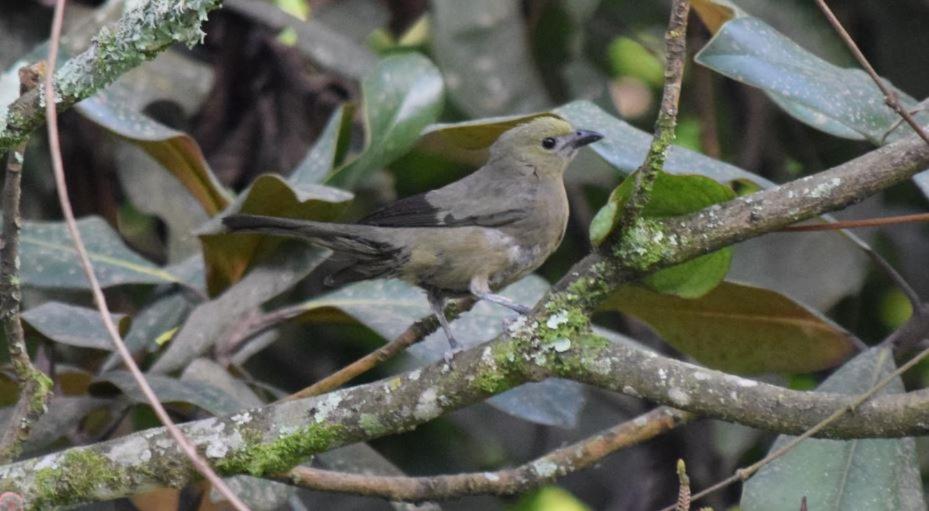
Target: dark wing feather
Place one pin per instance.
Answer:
(417, 211)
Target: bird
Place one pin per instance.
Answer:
(471, 237)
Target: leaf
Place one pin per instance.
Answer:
(625, 146)
(672, 196)
(329, 148)
(177, 151)
(714, 13)
(739, 328)
(156, 319)
(73, 325)
(866, 474)
(402, 96)
(168, 390)
(64, 415)
(49, 260)
(843, 102)
(211, 321)
(483, 51)
(228, 255)
(388, 307)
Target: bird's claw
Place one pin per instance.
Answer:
(450, 354)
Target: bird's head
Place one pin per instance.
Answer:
(547, 143)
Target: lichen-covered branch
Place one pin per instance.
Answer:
(675, 54)
(139, 35)
(547, 468)
(34, 386)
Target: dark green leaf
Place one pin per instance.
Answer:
(50, 261)
(483, 51)
(402, 96)
(672, 196)
(739, 328)
(851, 475)
(326, 152)
(73, 325)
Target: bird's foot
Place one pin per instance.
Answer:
(451, 353)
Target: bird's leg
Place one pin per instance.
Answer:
(480, 288)
(437, 303)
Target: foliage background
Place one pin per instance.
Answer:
(256, 100)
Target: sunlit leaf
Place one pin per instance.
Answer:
(739, 328)
(390, 306)
(865, 474)
(73, 325)
(402, 95)
(671, 196)
(49, 259)
(482, 48)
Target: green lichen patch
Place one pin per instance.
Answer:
(263, 458)
(79, 476)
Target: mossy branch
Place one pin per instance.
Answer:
(139, 35)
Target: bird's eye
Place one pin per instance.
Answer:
(548, 143)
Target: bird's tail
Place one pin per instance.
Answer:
(359, 240)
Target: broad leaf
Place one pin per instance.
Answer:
(63, 416)
(842, 102)
(671, 196)
(866, 474)
(484, 54)
(402, 96)
(155, 323)
(739, 328)
(212, 322)
(329, 148)
(49, 259)
(177, 151)
(389, 306)
(168, 390)
(73, 325)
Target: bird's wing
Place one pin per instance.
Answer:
(418, 211)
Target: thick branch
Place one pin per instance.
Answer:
(138, 36)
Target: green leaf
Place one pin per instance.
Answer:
(177, 151)
(483, 51)
(211, 321)
(672, 196)
(49, 260)
(228, 255)
(169, 390)
(73, 325)
(629, 58)
(739, 328)
(389, 307)
(156, 320)
(402, 96)
(843, 102)
(329, 148)
(851, 475)
(550, 498)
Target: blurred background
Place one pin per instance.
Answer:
(261, 89)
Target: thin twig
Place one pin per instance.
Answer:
(683, 493)
(890, 97)
(858, 224)
(58, 167)
(34, 386)
(744, 473)
(675, 54)
(412, 335)
(555, 464)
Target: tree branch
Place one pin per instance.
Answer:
(34, 386)
(138, 36)
(547, 468)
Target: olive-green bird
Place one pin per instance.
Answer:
(473, 236)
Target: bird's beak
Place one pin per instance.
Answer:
(580, 138)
